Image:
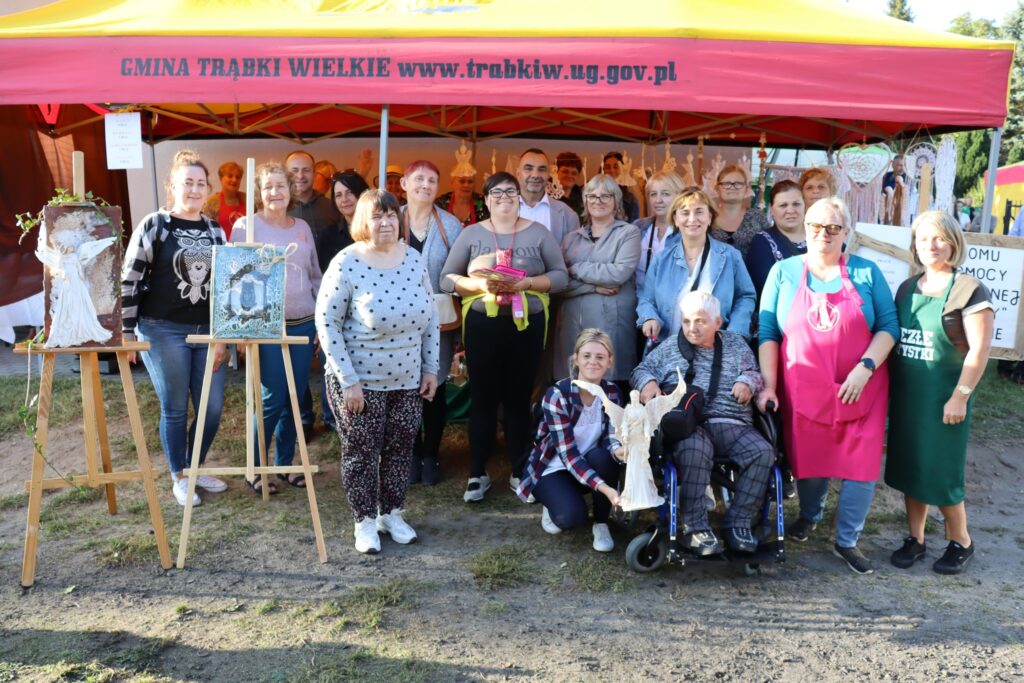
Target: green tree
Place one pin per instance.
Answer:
(900, 9)
(1013, 133)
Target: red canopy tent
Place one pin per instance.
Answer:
(806, 73)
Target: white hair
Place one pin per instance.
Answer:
(835, 204)
(703, 302)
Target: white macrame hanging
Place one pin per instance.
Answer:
(945, 174)
(922, 183)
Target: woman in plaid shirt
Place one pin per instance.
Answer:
(576, 451)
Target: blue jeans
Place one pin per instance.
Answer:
(854, 501)
(278, 419)
(176, 370)
(329, 420)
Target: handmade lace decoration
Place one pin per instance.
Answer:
(945, 174)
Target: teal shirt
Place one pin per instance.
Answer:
(784, 280)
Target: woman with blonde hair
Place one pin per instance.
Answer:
(576, 451)
(946, 318)
(601, 258)
(273, 225)
(736, 223)
(657, 231)
(696, 262)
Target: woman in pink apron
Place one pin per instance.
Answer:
(827, 323)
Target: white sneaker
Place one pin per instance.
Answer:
(211, 484)
(603, 542)
(547, 524)
(393, 525)
(513, 483)
(180, 489)
(476, 487)
(367, 540)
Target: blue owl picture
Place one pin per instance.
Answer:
(248, 292)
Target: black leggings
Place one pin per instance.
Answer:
(502, 364)
(435, 413)
(562, 494)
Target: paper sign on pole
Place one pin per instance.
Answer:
(894, 262)
(124, 140)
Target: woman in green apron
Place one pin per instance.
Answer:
(946, 321)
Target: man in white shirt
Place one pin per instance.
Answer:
(533, 173)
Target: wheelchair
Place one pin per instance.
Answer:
(657, 544)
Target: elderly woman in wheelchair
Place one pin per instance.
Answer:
(722, 366)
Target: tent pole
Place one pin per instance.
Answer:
(990, 185)
(383, 166)
(152, 164)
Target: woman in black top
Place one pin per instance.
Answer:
(165, 291)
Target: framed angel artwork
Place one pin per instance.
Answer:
(248, 292)
(80, 248)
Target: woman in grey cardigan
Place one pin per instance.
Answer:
(601, 257)
(430, 231)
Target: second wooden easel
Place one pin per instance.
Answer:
(253, 412)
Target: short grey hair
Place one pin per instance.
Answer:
(704, 302)
(835, 204)
(600, 184)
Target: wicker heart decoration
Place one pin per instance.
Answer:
(864, 163)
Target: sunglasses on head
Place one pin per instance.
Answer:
(832, 229)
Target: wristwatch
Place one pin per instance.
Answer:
(868, 363)
(964, 389)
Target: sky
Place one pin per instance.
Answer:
(937, 14)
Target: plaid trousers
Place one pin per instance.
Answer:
(739, 444)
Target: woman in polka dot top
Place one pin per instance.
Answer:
(378, 328)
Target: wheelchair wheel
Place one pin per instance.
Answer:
(751, 569)
(642, 556)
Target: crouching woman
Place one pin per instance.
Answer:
(575, 451)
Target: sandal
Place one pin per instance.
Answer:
(257, 485)
(298, 479)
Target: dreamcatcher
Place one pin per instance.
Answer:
(864, 167)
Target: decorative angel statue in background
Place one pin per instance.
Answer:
(66, 254)
(634, 427)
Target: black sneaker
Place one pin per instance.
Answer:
(855, 559)
(431, 471)
(906, 556)
(955, 559)
(702, 543)
(740, 540)
(801, 529)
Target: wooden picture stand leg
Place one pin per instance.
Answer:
(101, 429)
(89, 416)
(261, 433)
(135, 418)
(197, 447)
(314, 511)
(35, 490)
(250, 419)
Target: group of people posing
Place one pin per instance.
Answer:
(760, 312)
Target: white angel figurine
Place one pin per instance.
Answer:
(73, 319)
(634, 426)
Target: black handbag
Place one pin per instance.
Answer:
(683, 420)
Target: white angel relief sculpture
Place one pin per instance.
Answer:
(67, 253)
(634, 427)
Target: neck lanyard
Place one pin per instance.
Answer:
(503, 257)
(703, 260)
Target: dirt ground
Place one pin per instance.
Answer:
(485, 595)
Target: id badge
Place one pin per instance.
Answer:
(517, 307)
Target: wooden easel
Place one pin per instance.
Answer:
(253, 412)
(94, 423)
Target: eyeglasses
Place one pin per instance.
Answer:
(832, 229)
(602, 198)
(732, 184)
(498, 193)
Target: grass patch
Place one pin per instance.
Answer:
(13, 502)
(365, 666)
(494, 608)
(65, 408)
(130, 550)
(504, 566)
(997, 416)
(267, 607)
(140, 658)
(368, 606)
(599, 574)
